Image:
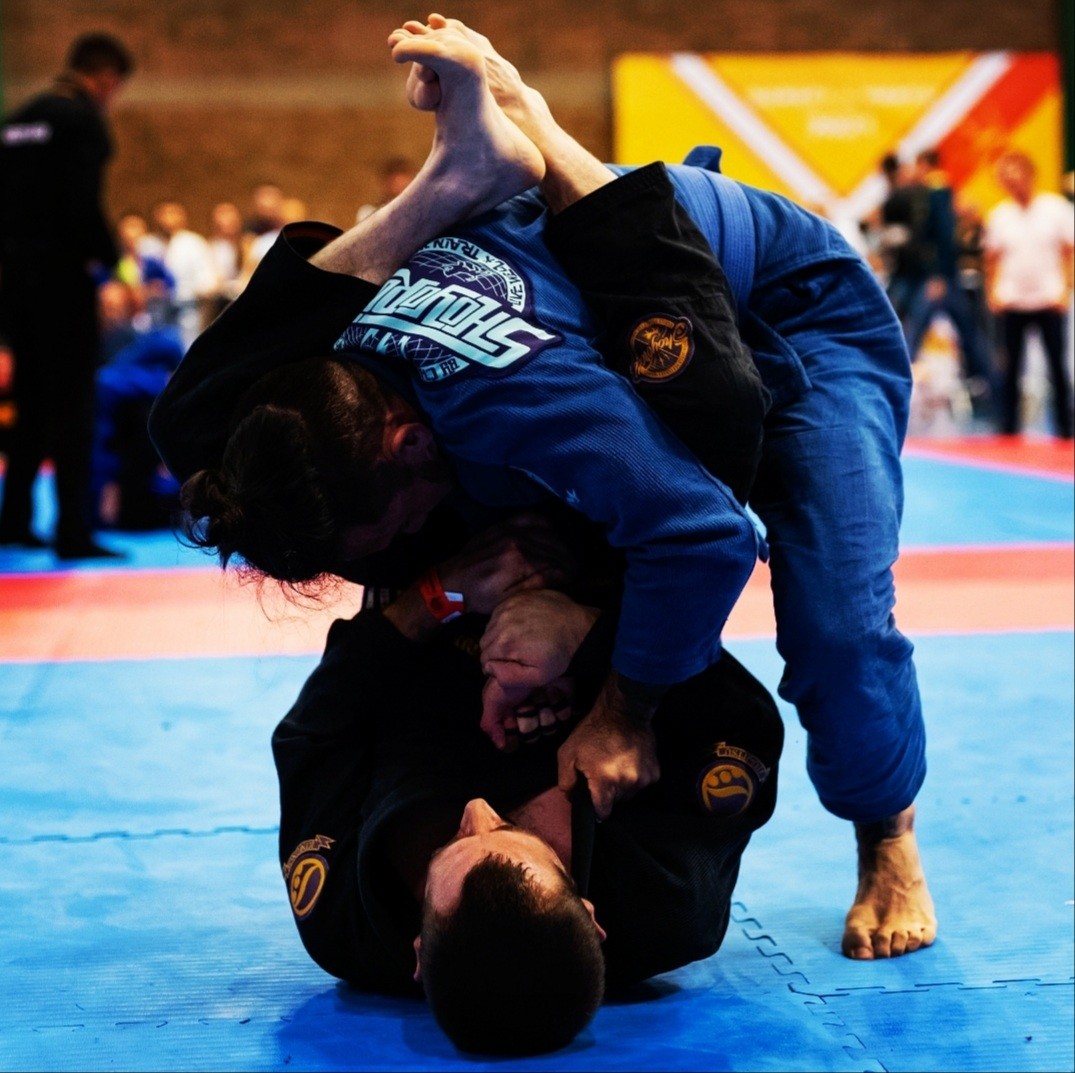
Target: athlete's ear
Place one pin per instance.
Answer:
(602, 935)
(409, 442)
(418, 959)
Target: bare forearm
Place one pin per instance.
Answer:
(375, 247)
(571, 172)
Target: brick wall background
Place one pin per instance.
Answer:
(230, 93)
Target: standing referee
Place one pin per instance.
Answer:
(53, 232)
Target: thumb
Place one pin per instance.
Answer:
(566, 772)
(498, 708)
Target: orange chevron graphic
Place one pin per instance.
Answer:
(986, 130)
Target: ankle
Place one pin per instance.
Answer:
(901, 823)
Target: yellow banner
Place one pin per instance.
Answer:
(814, 126)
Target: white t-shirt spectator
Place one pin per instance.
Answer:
(1030, 245)
(190, 260)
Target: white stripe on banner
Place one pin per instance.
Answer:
(708, 86)
(946, 113)
(943, 116)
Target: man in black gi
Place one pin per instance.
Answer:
(52, 230)
(527, 907)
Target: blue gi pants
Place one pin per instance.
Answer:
(830, 492)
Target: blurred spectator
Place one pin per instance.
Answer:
(395, 175)
(1029, 243)
(885, 239)
(266, 219)
(293, 210)
(141, 266)
(226, 241)
(970, 278)
(266, 200)
(190, 260)
(53, 232)
(937, 291)
(129, 490)
(7, 402)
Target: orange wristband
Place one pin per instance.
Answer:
(443, 606)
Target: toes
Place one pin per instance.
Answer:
(856, 944)
(897, 946)
(929, 933)
(473, 35)
(882, 944)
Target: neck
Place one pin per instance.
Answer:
(549, 817)
(411, 844)
(84, 84)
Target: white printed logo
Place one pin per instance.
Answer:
(454, 308)
(27, 134)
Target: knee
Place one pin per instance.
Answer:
(839, 653)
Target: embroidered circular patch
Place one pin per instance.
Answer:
(661, 346)
(725, 789)
(306, 882)
(728, 780)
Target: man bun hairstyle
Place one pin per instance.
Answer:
(94, 52)
(515, 968)
(302, 463)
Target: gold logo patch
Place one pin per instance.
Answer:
(729, 779)
(305, 873)
(661, 347)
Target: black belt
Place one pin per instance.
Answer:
(583, 825)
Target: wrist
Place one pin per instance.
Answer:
(426, 605)
(442, 603)
(634, 702)
(409, 614)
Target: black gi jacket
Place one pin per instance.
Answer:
(385, 732)
(53, 151)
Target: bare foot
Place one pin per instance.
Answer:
(479, 158)
(571, 172)
(893, 911)
(477, 153)
(522, 104)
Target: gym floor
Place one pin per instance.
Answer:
(144, 922)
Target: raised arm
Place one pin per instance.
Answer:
(315, 278)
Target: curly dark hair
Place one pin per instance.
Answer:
(302, 463)
(515, 968)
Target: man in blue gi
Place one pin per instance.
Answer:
(481, 351)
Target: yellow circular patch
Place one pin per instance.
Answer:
(661, 347)
(306, 882)
(726, 788)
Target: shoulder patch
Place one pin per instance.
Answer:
(661, 347)
(305, 872)
(453, 309)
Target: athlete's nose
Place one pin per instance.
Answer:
(478, 817)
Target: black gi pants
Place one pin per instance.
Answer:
(1015, 323)
(50, 315)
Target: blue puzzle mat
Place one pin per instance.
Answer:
(145, 923)
(147, 927)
